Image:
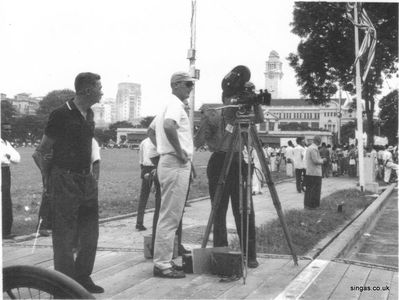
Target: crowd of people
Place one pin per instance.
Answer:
(68, 158)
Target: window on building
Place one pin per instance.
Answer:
(314, 125)
(262, 127)
(271, 126)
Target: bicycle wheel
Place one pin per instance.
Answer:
(30, 282)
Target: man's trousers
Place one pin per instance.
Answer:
(313, 191)
(74, 199)
(174, 179)
(231, 190)
(6, 200)
(299, 176)
(144, 193)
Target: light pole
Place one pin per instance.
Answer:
(191, 57)
(359, 109)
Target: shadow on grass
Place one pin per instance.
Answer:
(308, 227)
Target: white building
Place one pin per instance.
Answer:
(128, 101)
(273, 74)
(103, 112)
(24, 104)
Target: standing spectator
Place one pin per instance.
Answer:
(352, 161)
(73, 181)
(8, 156)
(299, 163)
(313, 175)
(146, 151)
(290, 159)
(334, 161)
(324, 153)
(172, 132)
(389, 165)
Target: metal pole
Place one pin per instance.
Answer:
(191, 57)
(339, 117)
(359, 110)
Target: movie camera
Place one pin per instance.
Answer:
(237, 87)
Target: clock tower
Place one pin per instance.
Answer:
(273, 74)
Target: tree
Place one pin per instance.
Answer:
(28, 128)
(120, 124)
(347, 131)
(8, 112)
(53, 100)
(146, 121)
(389, 116)
(104, 135)
(326, 52)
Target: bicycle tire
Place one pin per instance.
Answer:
(48, 281)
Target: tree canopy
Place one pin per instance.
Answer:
(389, 116)
(53, 100)
(8, 112)
(326, 52)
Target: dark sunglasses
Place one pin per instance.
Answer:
(188, 84)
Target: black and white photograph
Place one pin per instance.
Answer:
(197, 149)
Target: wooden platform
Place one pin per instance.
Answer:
(128, 275)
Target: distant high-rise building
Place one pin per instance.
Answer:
(128, 101)
(3, 96)
(103, 112)
(273, 74)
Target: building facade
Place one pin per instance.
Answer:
(103, 112)
(24, 104)
(128, 101)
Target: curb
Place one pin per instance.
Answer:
(349, 236)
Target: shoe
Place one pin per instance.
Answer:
(141, 227)
(176, 267)
(168, 273)
(44, 232)
(90, 286)
(252, 263)
(182, 250)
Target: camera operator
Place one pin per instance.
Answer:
(216, 130)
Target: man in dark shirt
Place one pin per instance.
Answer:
(73, 186)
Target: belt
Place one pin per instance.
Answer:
(76, 171)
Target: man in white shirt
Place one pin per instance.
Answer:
(146, 150)
(299, 163)
(171, 132)
(8, 155)
(389, 165)
(289, 159)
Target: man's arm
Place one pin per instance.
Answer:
(43, 154)
(170, 127)
(151, 135)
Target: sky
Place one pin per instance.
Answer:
(46, 43)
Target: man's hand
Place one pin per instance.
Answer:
(183, 157)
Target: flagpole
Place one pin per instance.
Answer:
(191, 57)
(359, 108)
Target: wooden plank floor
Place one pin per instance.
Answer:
(128, 275)
(343, 281)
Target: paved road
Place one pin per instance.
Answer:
(379, 244)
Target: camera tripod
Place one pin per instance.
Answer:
(245, 134)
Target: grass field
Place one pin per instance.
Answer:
(119, 185)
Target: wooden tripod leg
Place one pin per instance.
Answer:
(272, 189)
(220, 186)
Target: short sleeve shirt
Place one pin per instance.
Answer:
(173, 110)
(73, 136)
